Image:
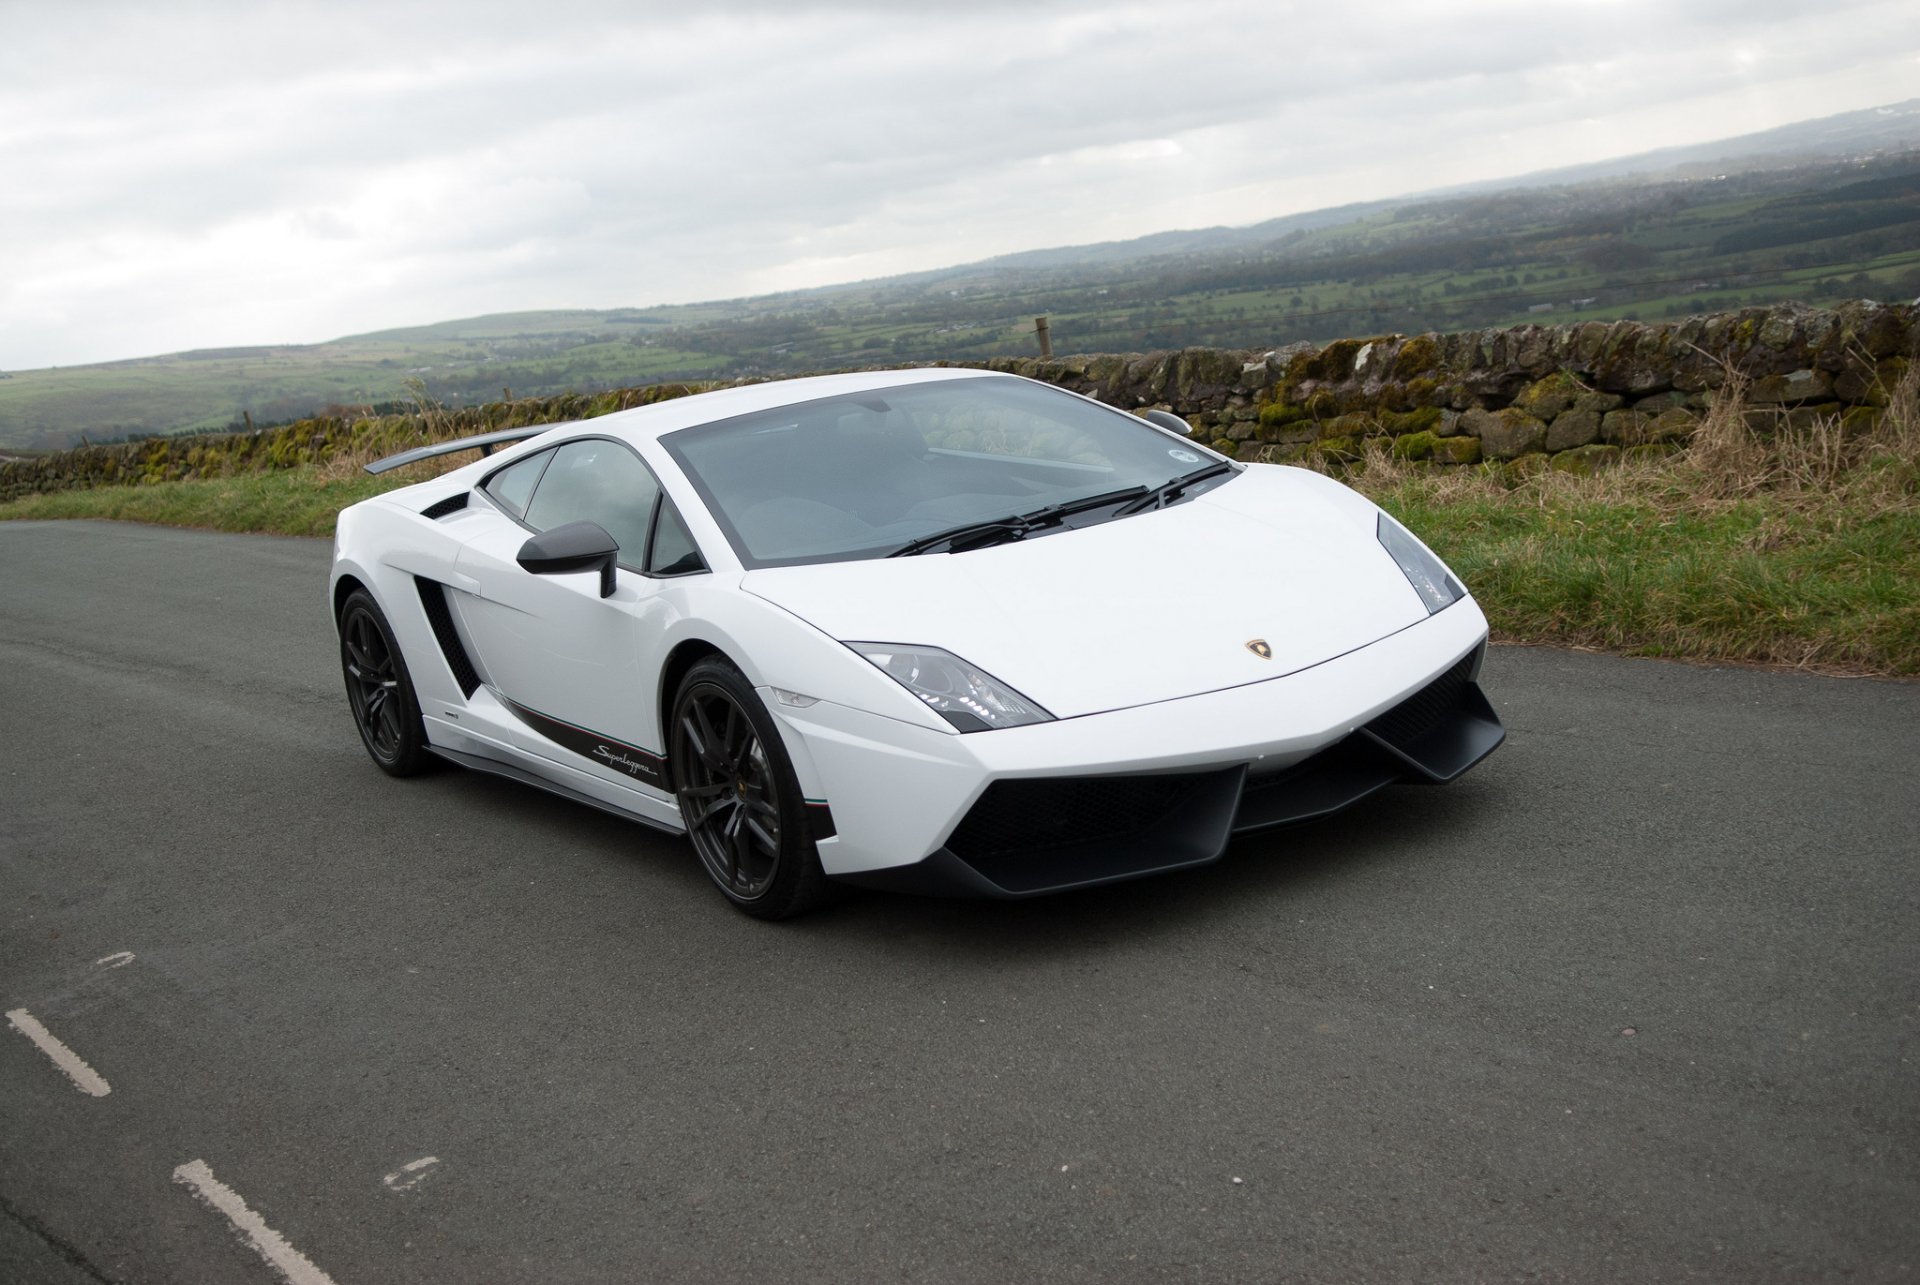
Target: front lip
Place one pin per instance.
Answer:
(868, 763)
(1014, 842)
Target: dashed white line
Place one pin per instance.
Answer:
(411, 1172)
(293, 1265)
(119, 959)
(84, 1077)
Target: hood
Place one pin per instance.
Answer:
(1135, 610)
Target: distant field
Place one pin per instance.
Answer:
(198, 392)
(1646, 250)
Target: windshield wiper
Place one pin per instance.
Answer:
(978, 535)
(1167, 492)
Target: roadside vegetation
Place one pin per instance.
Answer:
(1767, 540)
(294, 501)
(1770, 539)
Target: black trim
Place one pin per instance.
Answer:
(642, 765)
(1186, 822)
(497, 768)
(440, 508)
(820, 821)
(433, 599)
(653, 520)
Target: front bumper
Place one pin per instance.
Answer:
(1025, 811)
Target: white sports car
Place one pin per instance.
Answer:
(936, 630)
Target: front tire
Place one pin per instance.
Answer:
(739, 797)
(379, 690)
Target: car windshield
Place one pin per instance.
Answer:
(869, 474)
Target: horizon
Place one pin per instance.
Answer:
(148, 215)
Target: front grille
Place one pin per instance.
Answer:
(1030, 815)
(1420, 713)
(433, 598)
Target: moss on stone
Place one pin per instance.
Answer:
(1423, 419)
(1278, 414)
(1414, 446)
(1417, 356)
(1456, 450)
(1626, 427)
(1525, 466)
(1226, 446)
(1583, 461)
(1335, 361)
(1545, 398)
(1858, 420)
(1508, 434)
(1322, 404)
(1572, 428)
(1424, 392)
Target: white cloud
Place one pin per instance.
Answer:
(224, 173)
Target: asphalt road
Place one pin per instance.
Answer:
(1639, 999)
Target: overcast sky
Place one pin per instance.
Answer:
(186, 175)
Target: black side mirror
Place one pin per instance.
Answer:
(1167, 419)
(577, 546)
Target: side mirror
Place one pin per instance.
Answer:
(577, 546)
(1167, 419)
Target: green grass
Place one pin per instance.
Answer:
(1630, 561)
(1791, 547)
(300, 501)
(1760, 580)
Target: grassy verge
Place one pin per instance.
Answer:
(301, 501)
(1761, 543)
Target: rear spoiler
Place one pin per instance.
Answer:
(484, 443)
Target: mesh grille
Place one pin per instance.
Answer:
(1419, 713)
(440, 508)
(1026, 816)
(433, 597)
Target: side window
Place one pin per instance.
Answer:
(600, 481)
(512, 485)
(674, 553)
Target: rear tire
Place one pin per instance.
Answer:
(739, 797)
(379, 690)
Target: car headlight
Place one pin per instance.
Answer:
(971, 700)
(1427, 574)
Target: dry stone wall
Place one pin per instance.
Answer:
(307, 441)
(1572, 397)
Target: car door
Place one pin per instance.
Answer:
(579, 672)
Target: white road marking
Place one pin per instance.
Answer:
(293, 1265)
(84, 1077)
(409, 1173)
(117, 960)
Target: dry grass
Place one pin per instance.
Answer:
(1772, 539)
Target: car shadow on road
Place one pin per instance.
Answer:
(1260, 875)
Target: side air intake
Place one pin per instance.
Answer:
(433, 598)
(440, 508)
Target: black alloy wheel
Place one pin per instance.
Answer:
(739, 797)
(379, 689)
